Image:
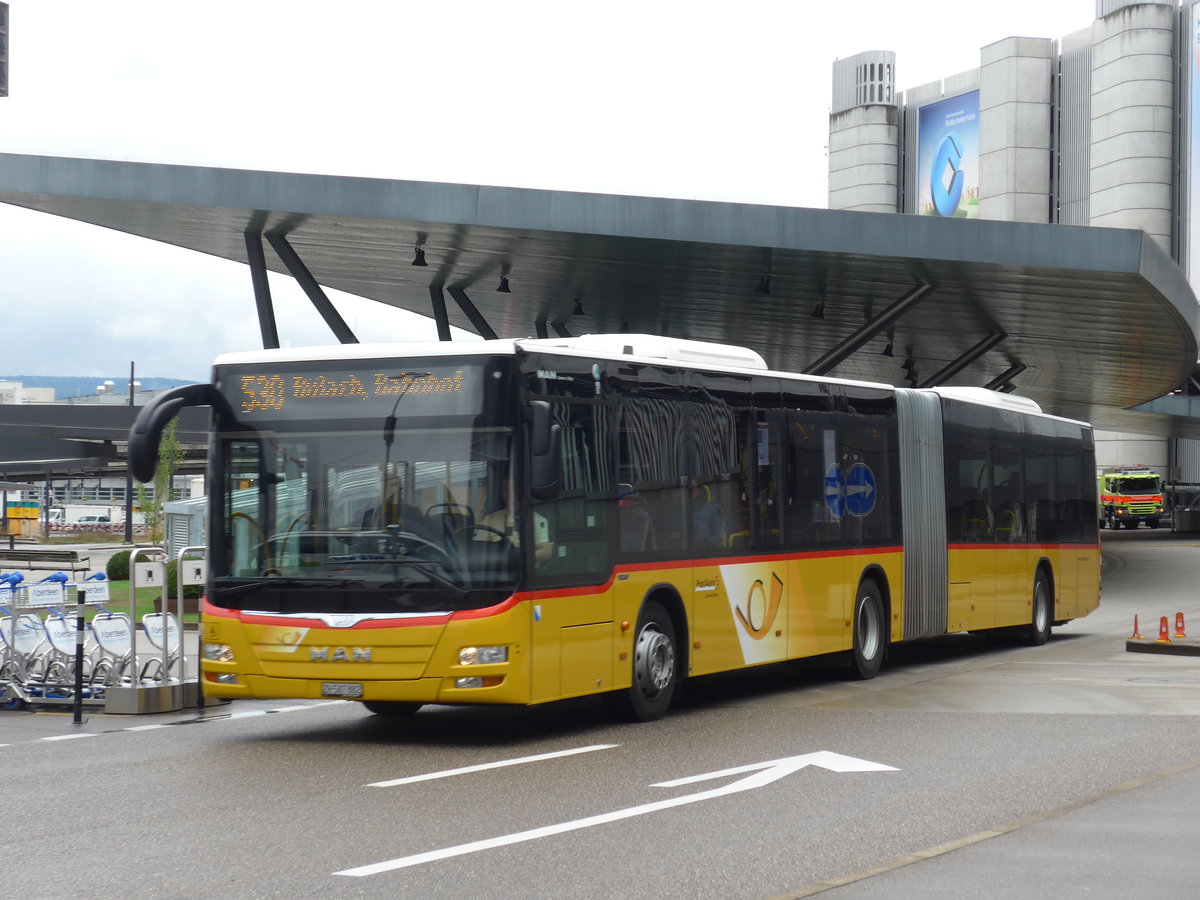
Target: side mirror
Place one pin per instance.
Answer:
(545, 445)
(146, 433)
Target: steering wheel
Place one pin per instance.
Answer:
(408, 537)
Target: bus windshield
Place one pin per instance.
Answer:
(368, 502)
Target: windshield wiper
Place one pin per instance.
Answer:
(276, 582)
(420, 565)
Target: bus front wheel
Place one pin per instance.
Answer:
(655, 666)
(1038, 631)
(869, 634)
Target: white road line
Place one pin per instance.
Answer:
(430, 776)
(154, 727)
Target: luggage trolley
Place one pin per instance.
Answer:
(21, 647)
(114, 648)
(26, 650)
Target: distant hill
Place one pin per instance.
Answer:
(82, 386)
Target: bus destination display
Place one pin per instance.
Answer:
(351, 394)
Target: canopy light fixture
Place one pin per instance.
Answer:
(891, 340)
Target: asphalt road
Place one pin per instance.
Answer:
(993, 770)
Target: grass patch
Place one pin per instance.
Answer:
(148, 601)
(87, 537)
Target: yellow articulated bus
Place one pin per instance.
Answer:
(523, 521)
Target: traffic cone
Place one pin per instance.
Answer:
(1137, 635)
(1163, 631)
(1179, 632)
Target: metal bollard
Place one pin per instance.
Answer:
(80, 634)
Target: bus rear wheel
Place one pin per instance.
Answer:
(655, 666)
(869, 634)
(391, 708)
(1038, 630)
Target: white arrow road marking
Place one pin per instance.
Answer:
(766, 773)
(834, 762)
(430, 776)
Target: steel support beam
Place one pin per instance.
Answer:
(262, 290)
(880, 323)
(953, 368)
(310, 287)
(482, 328)
(438, 300)
(1005, 377)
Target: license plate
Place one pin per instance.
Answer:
(341, 689)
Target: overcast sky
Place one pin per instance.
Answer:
(720, 101)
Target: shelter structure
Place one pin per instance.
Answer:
(1036, 308)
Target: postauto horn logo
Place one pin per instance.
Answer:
(946, 192)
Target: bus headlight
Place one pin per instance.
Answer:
(218, 652)
(480, 656)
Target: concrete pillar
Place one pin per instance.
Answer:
(1014, 129)
(1132, 146)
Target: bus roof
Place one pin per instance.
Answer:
(631, 347)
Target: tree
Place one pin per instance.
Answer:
(170, 455)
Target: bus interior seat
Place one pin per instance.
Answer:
(1009, 524)
(975, 524)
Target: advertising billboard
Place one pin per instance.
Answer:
(948, 158)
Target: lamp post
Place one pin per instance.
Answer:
(129, 475)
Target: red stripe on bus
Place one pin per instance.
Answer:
(1007, 546)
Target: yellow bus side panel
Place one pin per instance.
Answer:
(972, 588)
(1087, 578)
(819, 604)
(573, 644)
(1013, 584)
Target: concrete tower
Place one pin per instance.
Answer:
(863, 138)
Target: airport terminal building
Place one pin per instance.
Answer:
(1099, 127)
